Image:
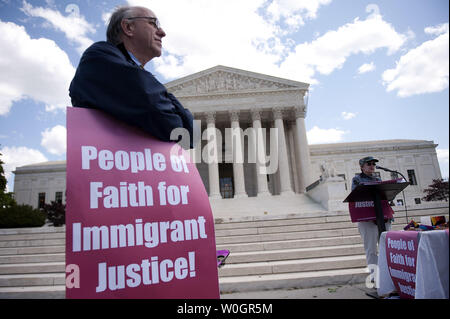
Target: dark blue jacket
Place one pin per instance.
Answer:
(363, 178)
(108, 79)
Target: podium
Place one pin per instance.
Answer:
(376, 192)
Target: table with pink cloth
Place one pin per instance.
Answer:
(432, 273)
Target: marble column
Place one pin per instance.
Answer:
(238, 156)
(292, 137)
(302, 148)
(260, 154)
(283, 163)
(212, 156)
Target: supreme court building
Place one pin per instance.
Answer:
(261, 114)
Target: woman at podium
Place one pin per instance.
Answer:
(369, 229)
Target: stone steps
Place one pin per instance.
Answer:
(298, 280)
(33, 292)
(294, 254)
(32, 243)
(30, 258)
(291, 244)
(25, 280)
(35, 267)
(259, 230)
(286, 236)
(290, 251)
(32, 250)
(287, 266)
(32, 236)
(32, 262)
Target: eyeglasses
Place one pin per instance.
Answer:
(152, 20)
(371, 163)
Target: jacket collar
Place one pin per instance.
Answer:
(124, 51)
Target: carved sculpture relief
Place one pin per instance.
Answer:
(224, 82)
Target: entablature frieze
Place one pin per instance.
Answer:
(222, 94)
(244, 103)
(226, 116)
(368, 149)
(225, 80)
(39, 170)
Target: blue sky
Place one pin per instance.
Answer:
(378, 69)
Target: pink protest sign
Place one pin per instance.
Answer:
(138, 219)
(364, 211)
(401, 256)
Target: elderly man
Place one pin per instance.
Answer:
(369, 229)
(111, 76)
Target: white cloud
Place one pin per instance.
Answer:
(74, 26)
(330, 51)
(348, 115)
(242, 34)
(204, 33)
(372, 7)
(318, 135)
(106, 16)
(37, 69)
(54, 140)
(443, 158)
(18, 156)
(366, 67)
(421, 70)
(436, 30)
(294, 12)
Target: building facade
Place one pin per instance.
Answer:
(250, 142)
(416, 160)
(245, 113)
(41, 183)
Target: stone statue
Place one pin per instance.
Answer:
(327, 170)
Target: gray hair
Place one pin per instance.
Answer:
(114, 31)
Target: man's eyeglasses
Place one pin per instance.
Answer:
(152, 20)
(371, 164)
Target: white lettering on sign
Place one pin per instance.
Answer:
(148, 272)
(132, 195)
(150, 234)
(399, 244)
(135, 161)
(364, 204)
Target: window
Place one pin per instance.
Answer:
(41, 200)
(399, 202)
(412, 177)
(226, 187)
(417, 200)
(58, 197)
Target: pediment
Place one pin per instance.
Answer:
(223, 80)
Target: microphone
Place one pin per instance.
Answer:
(389, 170)
(385, 169)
